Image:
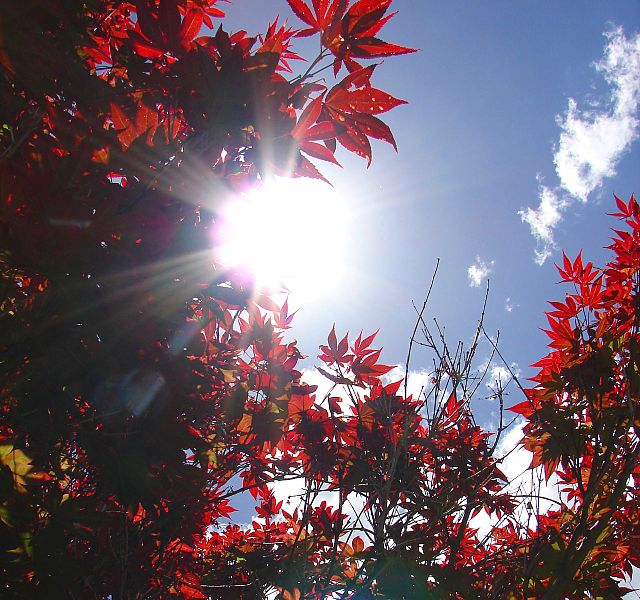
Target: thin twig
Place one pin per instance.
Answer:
(415, 329)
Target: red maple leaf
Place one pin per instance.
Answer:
(354, 36)
(352, 104)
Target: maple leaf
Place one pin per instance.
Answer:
(19, 466)
(335, 352)
(367, 369)
(352, 104)
(191, 25)
(208, 10)
(269, 506)
(354, 37)
(626, 210)
(361, 347)
(291, 595)
(307, 131)
(159, 28)
(278, 40)
(348, 34)
(301, 401)
(281, 317)
(146, 121)
(224, 509)
(327, 14)
(525, 408)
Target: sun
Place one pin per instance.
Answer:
(287, 233)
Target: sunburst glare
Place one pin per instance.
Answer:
(289, 232)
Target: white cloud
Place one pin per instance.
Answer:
(544, 219)
(515, 458)
(417, 381)
(498, 376)
(478, 272)
(509, 305)
(592, 140)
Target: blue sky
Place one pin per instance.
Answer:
(490, 96)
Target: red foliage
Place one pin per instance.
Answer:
(582, 424)
(143, 386)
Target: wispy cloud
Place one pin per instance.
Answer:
(543, 220)
(478, 272)
(592, 140)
